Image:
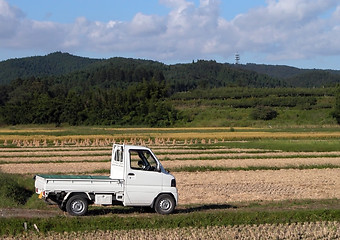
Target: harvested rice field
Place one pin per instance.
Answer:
(219, 173)
(249, 167)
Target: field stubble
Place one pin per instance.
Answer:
(210, 187)
(308, 231)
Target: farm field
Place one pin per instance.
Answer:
(221, 165)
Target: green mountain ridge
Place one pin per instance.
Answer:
(53, 64)
(182, 76)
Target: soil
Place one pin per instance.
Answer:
(267, 185)
(27, 213)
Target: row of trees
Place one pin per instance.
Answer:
(139, 104)
(248, 92)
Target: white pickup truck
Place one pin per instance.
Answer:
(137, 178)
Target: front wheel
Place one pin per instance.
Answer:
(77, 206)
(165, 204)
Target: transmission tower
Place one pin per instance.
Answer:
(237, 58)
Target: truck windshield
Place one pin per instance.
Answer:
(142, 160)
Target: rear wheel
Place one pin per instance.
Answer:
(165, 204)
(77, 205)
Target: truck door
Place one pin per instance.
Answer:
(143, 182)
(117, 164)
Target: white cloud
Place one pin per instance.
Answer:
(283, 29)
(286, 29)
(9, 19)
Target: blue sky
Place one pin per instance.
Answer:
(301, 33)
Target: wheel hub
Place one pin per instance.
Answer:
(77, 206)
(165, 204)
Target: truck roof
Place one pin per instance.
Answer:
(132, 146)
(51, 176)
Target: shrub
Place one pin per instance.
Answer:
(336, 112)
(11, 192)
(263, 113)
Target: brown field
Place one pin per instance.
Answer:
(266, 185)
(210, 187)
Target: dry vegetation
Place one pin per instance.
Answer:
(307, 231)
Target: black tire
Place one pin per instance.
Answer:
(77, 205)
(165, 204)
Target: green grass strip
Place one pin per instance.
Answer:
(250, 168)
(54, 149)
(252, 157)
(221, 168)
(14, 226)
(56, 155)
(58, 161)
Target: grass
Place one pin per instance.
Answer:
(287, 145)
(57, 161)
(212, 158)
(15, 191)
(221, 168)
(233, 217)
(227, 133)
(208, 113)
(251, 168)
(18, 191)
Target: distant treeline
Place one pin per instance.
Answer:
(74, 90)
(241, 97)
(34, 101)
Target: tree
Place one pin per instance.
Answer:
(336, 112)
(263, 113)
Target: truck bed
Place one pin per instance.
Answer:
(77, 183)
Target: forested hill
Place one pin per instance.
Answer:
(120, 72)
(50, 65)
(276, 71)
(295, 77)
(208, 74)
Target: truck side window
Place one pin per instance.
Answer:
(119, 155)
(142, 160)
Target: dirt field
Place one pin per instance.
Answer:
(233, 186)
(209, 187)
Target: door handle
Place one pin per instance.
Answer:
(131, 174)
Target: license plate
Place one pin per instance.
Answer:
(41, 195)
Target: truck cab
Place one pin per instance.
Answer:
(137, 178)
